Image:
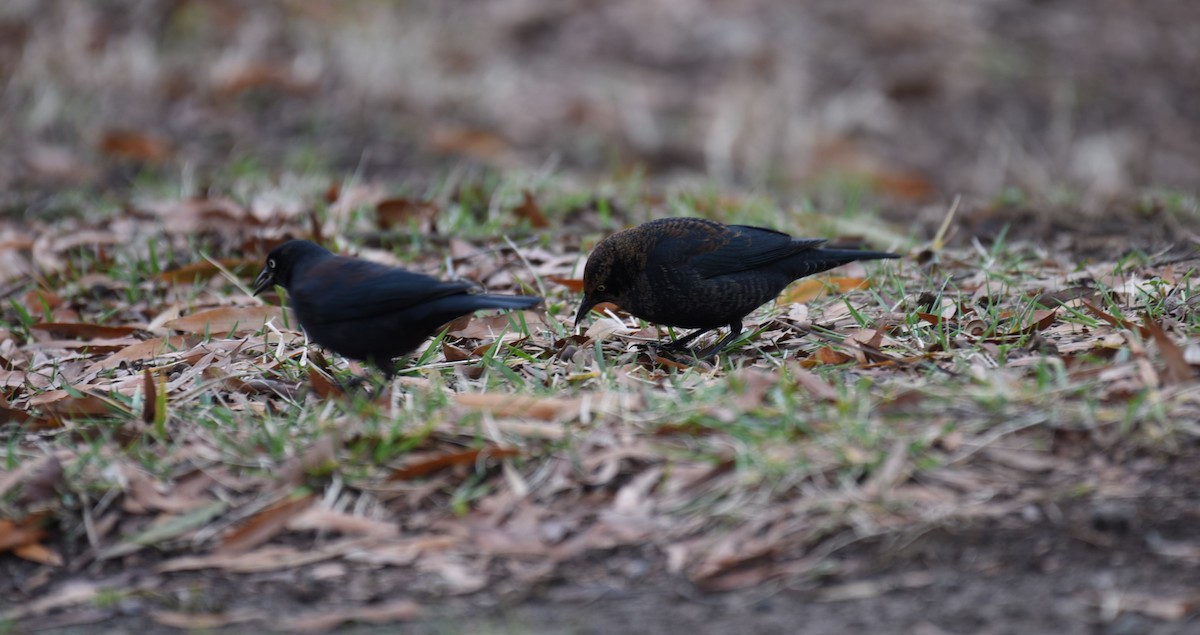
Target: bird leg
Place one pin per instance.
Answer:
(682, 342)
(735, 329)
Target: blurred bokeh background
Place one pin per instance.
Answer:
(1083, 103)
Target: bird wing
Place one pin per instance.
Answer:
(344, 289)
(743, 248)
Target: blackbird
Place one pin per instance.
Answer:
(368, 311)
(701, 274)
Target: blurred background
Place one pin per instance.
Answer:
(1081, 104)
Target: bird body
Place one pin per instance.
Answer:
(367, 311)
(701, 274)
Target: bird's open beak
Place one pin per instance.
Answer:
(264, 280)
(584, 308)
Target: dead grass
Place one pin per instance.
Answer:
(150, 404)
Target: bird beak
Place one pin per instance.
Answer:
(584, 309)
(264, 280)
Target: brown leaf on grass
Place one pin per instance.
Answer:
(867, 589)
(149, 397)
(1039, 320)
(87, 347)
(479, 144)
(930, 318)
(231, 78)
(816, 386)
(428, 464)
(14, 534)
(510, 405)
(206, 621)
(320, 456)
(85, 331)
(142, 351)
(205, 269)
(39, 553)
(264, 526)
(454, 353)
(401, 212)
(42, 483)
(491, 326)
(752, 386)
(61, 404)
(810, 289)
(233, 320)
(1178, 369)
(1112, 320)
(137, 146)
(319, 518)
(324, 620)
(826, 355)
(668, 362)
(267, 558)
(321, 385)
(903, 184)
(529, 210)
(574, 285)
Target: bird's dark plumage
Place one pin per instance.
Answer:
(368, 311)
(701, 274)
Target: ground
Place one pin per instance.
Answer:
(995, 434)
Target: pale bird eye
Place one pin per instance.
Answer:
(270, 263)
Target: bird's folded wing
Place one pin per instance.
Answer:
(354, 290)
(748, 248)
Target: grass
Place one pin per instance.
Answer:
(950, 368)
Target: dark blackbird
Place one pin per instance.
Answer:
(368, 311)
(701, 274)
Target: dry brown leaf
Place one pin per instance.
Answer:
(1039, 320)
(205, 269)
(528, 210)
(264, 526)
(479, 144)
(233, 320)
(454, 353)
(753, 387)
(1178, 369)
(81, 330)
(401, 212)
(1111, 319)
(827, 355)
(320, 455)
(490, 326)
(322, 386)
(903, 184)
(142, 351)
(14, 535)
(206, 621)
(39, 553)
(810, 289)
(60, 403)
(138, 146)
(322, 519)
(509, 405)
(574, 285)
(268, 558)
(426, 465)
(866, 589)
(324, 620)
(816, 386)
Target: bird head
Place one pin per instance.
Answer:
(602, 282)
(283, 261)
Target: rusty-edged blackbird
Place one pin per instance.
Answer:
(701, 274)
(368, 311)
